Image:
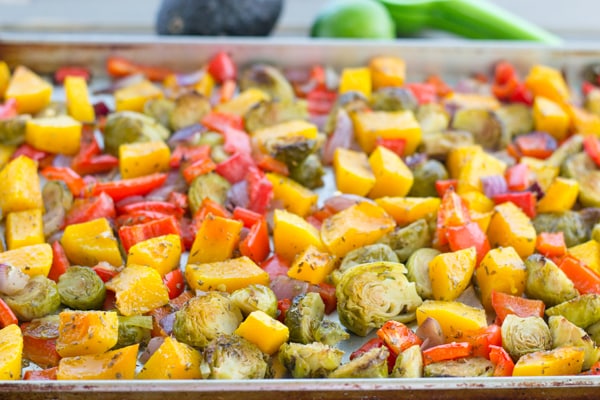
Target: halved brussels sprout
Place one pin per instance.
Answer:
(255, 297)
(268, 113)
(409, 363)
(394, 98)
(160, 110)
(311, 360)
(583, 311)
(12, 130)
(304, 317)
(309, 173)
(570, 223)
(546, 282)
(515, 119)
(210, 185)
(483, 124)
(362, 255)
(54, 109)
(189, 109)
(565, 333)
(37, 299)
(521, 336)
(291, 150)
(134, 329)
(371, 364)
(81, 288)
(233, 357)
(571, 146)
(128, 127)
(406, 240)
(268, 79)
(439, 144)
(460, 368)
(330, 333)
(577, 166)
(418, 270)
(433, 118)
(589, 189)
(425, 175)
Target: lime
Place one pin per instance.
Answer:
(367, 19)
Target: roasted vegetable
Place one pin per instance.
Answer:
(362, 255)
(189, 109)
(521, 336)
(418, 270)
(233, 357)
(330, 333)
(81, 288)
(565, 333)
(406, 240)
(160, 110)
(425, 175)
(58, 199)
(36, 300)
(304, 316)
(12, 130)
(570, 223)
(547, 282)
(372, 364)
(462, 367)
(433, 118)
(515, 119)
(268, 79)
(255, 297)
(211, 185)
(393, 99)
(582, 311)
(484, 126)
(439, 144)
(134, 329)
(309, 172)
(409, 363)
(128, 127)
(268, 113)
(312, 360)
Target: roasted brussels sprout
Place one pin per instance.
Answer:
(565, 333)
(371, 364)
(37, 299)
(58, 199)
(394, 99)
(570, 223)
(311, 360)
(291, 150)
(583, 311)
(205, 317)
(589, 189)
(484, 126)
(547, 282)
(269, 113)
(433, 118)
(363, 255)
(189, 109)
(330, 333)
(418, 270)
(521, 336)
(81, 288)
(370, 294)
(304, 316)
(594, 331)
(128, 127)
(406, 240)
(425, 175)
(160, 110)
(571, 146)
(309, 173)
(439, 144)
(515, 119)
(210, 185)
(233, 357)
(134, 329)
(462, 367)
(577, 166)
(54, 109)
(268, 79)
(12, 130)
(255, 298)
(409, 363)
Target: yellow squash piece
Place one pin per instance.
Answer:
(24, 228)
(79, 105)
(143, 158)
(293, 196)
(459, 156)
(406, 210)
(134, 97)
(477, 201)
(543, 173)
(356, 226)
(11, 352)
(353, 173)
(226, 276)
(565, 360)
(510, 226)
(205, 85)
(312, 265)
(115, 364)
(297, 128)
(582, 120)
(392, 176)
(356, 80)
(31, 92)
(86, 332)
(500, 270)
(216, 240)
(243, 102)
(588, 253)
(20, 186)
(161, 253)
(370, 125)
(481, 164)
(33, 260)
(90, 242)
(58, 135)
(454, 317)
(138, 289)
(288, 225)
(560, 196)
(548, 82)
(4, 78)
(264, 331)
(451, 273)
(172, 360)
(387, 71)
(548, 116)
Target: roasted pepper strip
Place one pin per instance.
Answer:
(123, 188)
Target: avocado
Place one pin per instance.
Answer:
(218, 17)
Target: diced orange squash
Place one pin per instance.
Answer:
(138, 289)
(471, 100)
(90, 242)
(4, 78)
(143, 158)
(406, 210)
(59, 135)
(11, 352)
(565, 360)
(226, 276)
(205, 85)
(481, 164)
(582, 120)
(548, 82)
(392, 176)
(115, 364)
(356, 80)
(458, 157)
(312, 265)
(560, 196)
(454, 317)
(370, 125)
(451, 273)
(387, 71)
(31, 92)
(264, 137)
(353, 173)
(240, 104)
(215, 240)
(500, 270)
(6, 151)
(86, 332)
(33, 260)
(24, 228)
(510, 226)
(543, 173)
(548, 116)
(172, 360)
(293, 196)
(288, 225)
(264, 331)
(161, 253)
(135, 96)
(588, 253)
(357, 226)
(79, 105)
(477, 201)
(20, 186)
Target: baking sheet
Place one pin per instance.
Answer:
(452, 59)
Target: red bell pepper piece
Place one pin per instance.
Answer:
(72, 179)
(235, 168)
(248, 217)
(105, 271)
(283, 305)
(163, 207)
(256, 244)
(198, 167)
(174, 282)
(29, 151)
(584, 278)
(87, 209)
(39, 342)
(481, 339)
(526, 201)
(271, 164)
(187, 231)
(374, 343)
(209, 206)
(89, 159)
(180, 200)
(591, 145)
(219, 122)
(594, 369)
(453, 211)
(424, 92)
(442, 185)
(468, 235)
(8, 109)
(227, 90)
(447, 351)
(504, 304)
(236, 141)
(551, 244)
(395, 145)
(275, 266)
(61, 74)
(397, 336)
(260, 190)
(60, 262)
(119, 67)
(517, 177)
(133, 234)
(119, 190)
(186, 154)
(442, 89)
(503, 364)
(536, 144)
(522, 94)
(7, 316)
(222, 67)
(320, 101)
(48, 374)
(327, 293)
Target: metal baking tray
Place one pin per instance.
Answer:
(450, 58)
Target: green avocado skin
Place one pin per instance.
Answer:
(218, 17)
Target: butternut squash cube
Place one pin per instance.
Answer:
(479, 165)
(240, 104)
(90, 242)
(135, 96)
(458, 157)
(263, 138)
(79, 105)
(312, 265)
(451, 273)
(86, 332)
(161, 253)
(356, 80)
(387, 71)
(33, 260)
(477, 201)
(406, 210)
(582, 120)
(264, 331)
(58, 135)
(353, 173)
(24, 228)
(31, 92)
(172, 360)
(549, 116)
(565, 360)
(454, 317)
(548, 82)
(205, 85)
(356, 226)
(392, 176)
(226, 276)
(560, 196)
(143, 158)
(501, 270)
(287, 225)
(510, 226)
(138, 289)
(11, 352)
(20, 186)
(215, 240)
(588, 253)
(368, 126)
(293, 196)
(4, 78)
(115, 364)
(543, 173)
